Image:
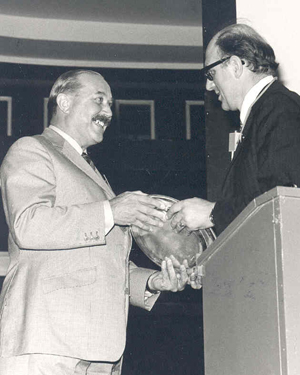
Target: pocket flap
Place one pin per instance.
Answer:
(85, 276)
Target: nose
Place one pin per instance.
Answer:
(210, 85)
(107, 110)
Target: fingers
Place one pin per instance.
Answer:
(178, 223)
(176, 216)
(178, 279)
(185, 271)
(193, 214)
(170, 278)
(188, 269)
(183, 277)
(150, 212)
(175, 262)
(147, 222)
(195, 281)
(176, 207)
(149, 201)
(144, 212)
(179, 226)
(141, 228)
(175, 276)
(138, 231)
(139, 209)
(187, 275)
(169, 273)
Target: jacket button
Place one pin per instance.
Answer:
(97, 235)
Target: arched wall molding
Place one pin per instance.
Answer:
(99, 32)
(40, 41)
(100, 64)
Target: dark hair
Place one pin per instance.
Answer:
(67, 82)
(243, 41)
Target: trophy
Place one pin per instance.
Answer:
(165, 241)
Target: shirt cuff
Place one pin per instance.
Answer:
(150, 298)
(109, 219)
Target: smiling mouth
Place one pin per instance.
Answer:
(101, 121)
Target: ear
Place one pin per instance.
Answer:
(237, 66)
(63, 102)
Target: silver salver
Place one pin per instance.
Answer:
(163, 242)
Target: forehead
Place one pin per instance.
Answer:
(212, 53)
(93, 84)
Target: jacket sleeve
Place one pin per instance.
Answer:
(28, 185)
(138, 280)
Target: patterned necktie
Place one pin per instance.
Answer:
(88, 159)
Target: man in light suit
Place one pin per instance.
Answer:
(241, 70)
(65, 298)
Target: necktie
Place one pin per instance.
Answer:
(88, 159)
(90, 162)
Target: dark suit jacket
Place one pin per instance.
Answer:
(268, 156)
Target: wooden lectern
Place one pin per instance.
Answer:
(251, 290)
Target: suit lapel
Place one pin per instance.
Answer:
(66, 149)
(78, 160)
(268, 89)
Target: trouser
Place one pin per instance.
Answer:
(44, 364)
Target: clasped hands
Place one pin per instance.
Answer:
(139, 209)
(143, 213)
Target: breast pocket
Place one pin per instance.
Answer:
(78, 278)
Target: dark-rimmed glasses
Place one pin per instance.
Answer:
(207, 68)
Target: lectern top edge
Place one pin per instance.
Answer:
(279, 191)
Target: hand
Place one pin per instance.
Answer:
(138, 231)
(191, 213)
(169, 279)
(194, 276)
(139, 209)
(195, 279)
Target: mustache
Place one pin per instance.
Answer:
(103, 118)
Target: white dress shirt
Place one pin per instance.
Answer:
(109, 220)
(251, 97)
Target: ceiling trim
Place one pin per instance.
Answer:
(99, 32)
(101, 64)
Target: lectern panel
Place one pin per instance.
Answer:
(251, 298)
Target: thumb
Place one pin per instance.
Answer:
(174, 209)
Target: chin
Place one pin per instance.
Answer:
(99, 140)
(225, 108)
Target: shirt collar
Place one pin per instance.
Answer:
(69, 139)
(252, 95)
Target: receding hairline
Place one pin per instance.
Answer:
(90, 73)
(213, 47)
(245, 42)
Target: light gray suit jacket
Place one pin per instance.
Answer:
(68, 284)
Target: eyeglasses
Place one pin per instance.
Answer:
(207, 68)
